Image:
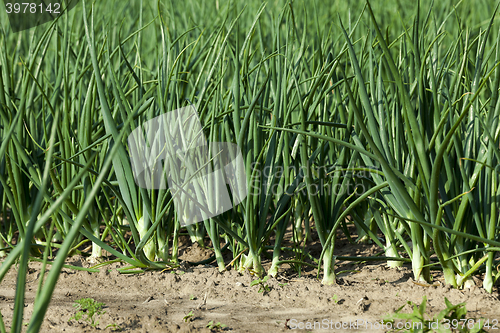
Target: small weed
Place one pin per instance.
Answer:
(114, 327)
(192, 298)
(453, 318)
(263, 286)
(189, 317)
(216, 326)
(335, 299)
(89, 308)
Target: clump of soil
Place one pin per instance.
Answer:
(188, 299)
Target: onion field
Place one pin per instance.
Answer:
(374, 122)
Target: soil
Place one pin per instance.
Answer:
(162, 301)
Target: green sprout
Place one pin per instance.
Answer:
(89, 308)
(216, 326)
(263, 287)
(453, 318)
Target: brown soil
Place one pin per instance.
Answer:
(160, 301)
